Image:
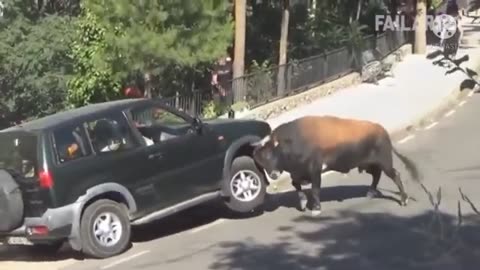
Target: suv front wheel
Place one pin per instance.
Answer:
(246, 186)
(105, 229)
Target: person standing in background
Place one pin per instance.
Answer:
(222, 75)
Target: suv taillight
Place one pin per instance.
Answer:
(45, 179)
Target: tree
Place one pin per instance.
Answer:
(420, 45)
(282, 59)
(152, 35)
(90, 84)
(239, 49)
(34, 67)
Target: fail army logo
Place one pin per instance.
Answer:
(444, 26)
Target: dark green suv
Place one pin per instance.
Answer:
(88, 174)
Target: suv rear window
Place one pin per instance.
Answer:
(18, 152)
(70, 143)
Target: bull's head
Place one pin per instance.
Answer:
(268, 155)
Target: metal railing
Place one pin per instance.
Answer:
(297, 76)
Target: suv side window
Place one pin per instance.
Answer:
(110, 134)
(157, 124)
(154, 115)
(71, 143)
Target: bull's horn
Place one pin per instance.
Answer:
(261, 142)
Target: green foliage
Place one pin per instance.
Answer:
(260, 84)
(34, 65)
(151, 36)
(310, 32)
(241, 105)
(436, 3)
(90, 83)
(210, 110)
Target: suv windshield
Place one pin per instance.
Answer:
(18, 152)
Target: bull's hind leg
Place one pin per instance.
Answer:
(395, 176)
(316, 177)
(376, 172)
(302, 197)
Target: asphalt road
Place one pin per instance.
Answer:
(353, 232)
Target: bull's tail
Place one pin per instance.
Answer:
(409, 164)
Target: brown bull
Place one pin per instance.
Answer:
(310, 145)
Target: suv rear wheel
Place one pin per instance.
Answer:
(105, 229)
(246, 186)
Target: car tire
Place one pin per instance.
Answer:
(245, 172)
(119, 230)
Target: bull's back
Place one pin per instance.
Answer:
(329, 132)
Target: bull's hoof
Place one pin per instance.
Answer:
(373, 193)
(303, 205)
(404, 202)
(316, 210)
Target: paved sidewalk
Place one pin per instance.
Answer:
(418, 87)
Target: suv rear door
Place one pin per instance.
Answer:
(20, 157)
(97, 163)
(186, 164)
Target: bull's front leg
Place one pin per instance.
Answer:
(302, 196)
(316, 176)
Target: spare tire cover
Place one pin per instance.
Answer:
(11, 203)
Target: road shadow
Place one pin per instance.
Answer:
(335, 193)
(180, 222)
(350, 240)
(468, 84)
(193, 218)
(186, 220)
(30, 254)
(453, 65)
(215, 210)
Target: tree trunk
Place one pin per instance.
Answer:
(420, 46)
(393, 7)
(239, 51)
(147, 77)
(312, 11)
(282, 59)
(359, 9)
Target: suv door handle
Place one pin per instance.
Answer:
(155, 155)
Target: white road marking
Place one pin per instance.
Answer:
(409, 137)
(449, 113)
(462, 103)
(206, 226)
(431, 125)
(131, 257)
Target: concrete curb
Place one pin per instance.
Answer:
(457, 95)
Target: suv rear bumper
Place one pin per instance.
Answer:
(55, 224)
